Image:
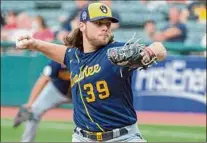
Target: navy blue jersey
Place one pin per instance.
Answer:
(182, 36)
(101, 92)
(59, 75)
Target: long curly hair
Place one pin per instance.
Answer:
(75, 39)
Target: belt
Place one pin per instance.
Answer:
(102, 136)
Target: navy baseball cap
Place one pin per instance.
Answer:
(97, 11)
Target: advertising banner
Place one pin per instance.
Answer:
(177, 84)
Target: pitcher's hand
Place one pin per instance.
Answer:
(26, 42)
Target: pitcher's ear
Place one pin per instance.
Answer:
(82, 26)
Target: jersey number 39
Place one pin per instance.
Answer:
(102, 88)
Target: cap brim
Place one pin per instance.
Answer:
(113, 19)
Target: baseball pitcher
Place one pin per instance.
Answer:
(101, 71)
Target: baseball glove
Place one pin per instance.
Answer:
(132, 55)
(22, 115)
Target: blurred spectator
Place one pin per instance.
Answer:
(197, 11)
(42, 32)
(200, 12)
(10, 21)
(24, 25)
(73, 16)
(24, 21)
(70, 23)
(175, 31)
(184, 16)
(149, 28)
(16, 25)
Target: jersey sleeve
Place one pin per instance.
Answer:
(182, 28)
(68, 58)
(51, 70)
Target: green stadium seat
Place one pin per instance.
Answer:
(17, 5)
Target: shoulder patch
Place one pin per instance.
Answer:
(47, 71)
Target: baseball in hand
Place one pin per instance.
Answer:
(22, 44)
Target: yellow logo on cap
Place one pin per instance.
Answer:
(98, 10)
(103, 9)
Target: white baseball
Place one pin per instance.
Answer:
(22, 44)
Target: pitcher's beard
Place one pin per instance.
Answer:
(96, 42)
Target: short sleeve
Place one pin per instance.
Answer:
(51, 70)
(181, 27)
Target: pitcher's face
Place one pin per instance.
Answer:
(98, 32)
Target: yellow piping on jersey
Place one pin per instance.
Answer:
(81, 95)
(83, 100)
(77, 57)
(88, 114)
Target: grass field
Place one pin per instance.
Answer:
(62, 131)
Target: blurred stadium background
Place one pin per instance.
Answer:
(172, 92)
